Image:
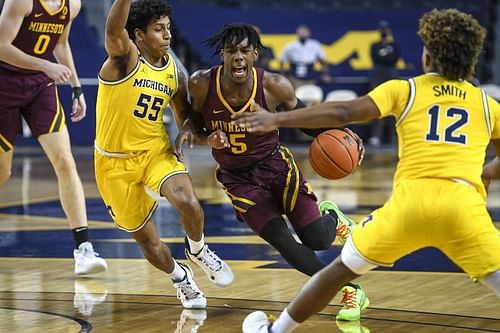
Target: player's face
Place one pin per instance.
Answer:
(157, 37)
(238, 61)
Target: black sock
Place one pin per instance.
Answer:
(80, 235)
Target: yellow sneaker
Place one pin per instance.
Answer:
(354, 301)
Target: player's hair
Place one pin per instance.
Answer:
(454, 41)
(233, 34)
(142, 12)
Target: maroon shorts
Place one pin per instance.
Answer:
(272, 188)
(32, 96)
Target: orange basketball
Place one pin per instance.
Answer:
(334, 154)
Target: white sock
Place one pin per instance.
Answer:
(196, 247)
(178, 274)
(492, 281)
(284, 324)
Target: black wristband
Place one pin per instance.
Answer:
(77, 92)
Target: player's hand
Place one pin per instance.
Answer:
(218, 140)
(57, 72)
(258, 120)
(79, 109)
(185, 135)
(361, 146)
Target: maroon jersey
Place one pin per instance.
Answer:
(246, 148)
(40, 32)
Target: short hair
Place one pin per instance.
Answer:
(142, 12)
(233, 34)
(454, 41)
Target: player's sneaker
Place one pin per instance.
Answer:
(87, 261)
(217, 271)
(190, 321)
(257, 322)
(88, 294)
(351, 327)
(188, 292)
(345, 225)
(354, 301)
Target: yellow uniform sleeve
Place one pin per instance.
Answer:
(391, 97)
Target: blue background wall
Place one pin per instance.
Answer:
(345, 34)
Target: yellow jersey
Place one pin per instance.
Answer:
(129, 112)
(443, 127)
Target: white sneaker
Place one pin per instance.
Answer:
(217, 271)
(256, 322)
(87, 261)
(190, 321)
(88, 294)
(188, 293)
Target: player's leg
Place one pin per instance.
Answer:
(159, 255)
(315, 231)
(170, 177)
(314, 296)
(10, 120)
(5, 165)
(319, 234)
(57, 147)
(276, 233)
(45, 118)
(131, 208)
(468, 236)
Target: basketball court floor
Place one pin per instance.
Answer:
(424, 292)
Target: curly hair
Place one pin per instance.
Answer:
(142, 12)
(233, 34)
(454, 41)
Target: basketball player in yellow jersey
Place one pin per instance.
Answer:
(136, 83)
(444, 125)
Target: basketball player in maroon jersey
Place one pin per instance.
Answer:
(32, 32)
(258, 172)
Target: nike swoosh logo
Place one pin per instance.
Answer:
(38, 15)
(218, 111)
(49, 84)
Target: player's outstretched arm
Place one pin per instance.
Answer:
(329, 115)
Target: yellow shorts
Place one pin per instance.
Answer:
(122, 181)
(444, 214)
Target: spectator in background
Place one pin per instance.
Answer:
(385, 55)
(265, 56)
(301, 55)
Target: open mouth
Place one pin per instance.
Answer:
(239, 72)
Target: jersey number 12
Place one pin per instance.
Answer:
(452, 131)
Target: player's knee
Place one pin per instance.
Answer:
(64, 164)
(150, 246)
(188, 205)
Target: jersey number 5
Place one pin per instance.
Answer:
(451, 132)
(144, 103)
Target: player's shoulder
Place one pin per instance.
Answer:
(75, 6)
(271, 80)
(18, 8)
(199, 82)
(200, 76)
